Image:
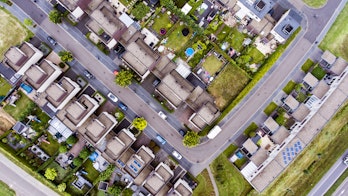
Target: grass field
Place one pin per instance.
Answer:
(212, 64)
(256, 55)
(228, 85)
(6, 190)
(270, 108)
(205, 187)
(336, 40)
(161, 21)
(307, 65)
(4, 87)
(12, 32)
(315, 3)
(23, 107)
(228, 179)
(289, 87)
(316, 159)
(176, 40)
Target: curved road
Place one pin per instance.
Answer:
(234, 124)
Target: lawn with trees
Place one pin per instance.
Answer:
(124, 78)
(65, 56)
(140, 10)
(51, 174)
(55, 16)
(191, 139)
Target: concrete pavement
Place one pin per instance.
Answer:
(330, 178)
(21, 181)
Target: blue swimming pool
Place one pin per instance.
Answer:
(189, 52)
(27, 88)
(93, 156)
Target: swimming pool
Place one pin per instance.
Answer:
(189, 52)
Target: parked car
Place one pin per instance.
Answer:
(162, 115)
(155, 82)
(345, 160)
(177, 155)
(88, 74)
(122, 106)
(112, 97)
(182, 132)
(51, 40)
(161, 139)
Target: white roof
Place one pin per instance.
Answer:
(248, 170)
(112, 43)
(186, 9)
(77, 13)
(183, 70)
(128, 21)
(58, 126)
(214, 132)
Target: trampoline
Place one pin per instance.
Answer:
(189, 52)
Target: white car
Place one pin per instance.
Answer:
(345, 160)
(112, 97)
(162, 115)
(176, 155)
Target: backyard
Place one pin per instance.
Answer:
(212, 64)
(336, 39)
(228, 85)
(12, 32)
(4, 87)
(6, 190)
(176, 40)
(316, 159)
(62, 173)
(51, 146)
(92, 173)
(161, 21)
(205, 187)
(23, 107)
(234, 37)
(227, 177)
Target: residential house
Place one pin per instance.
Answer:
(22, 57)
(320, 90)
(106, 24)
(180, 188)
(280, 135)
(42, 75)
(164, 67)
(290, 104)
(175, 88)
(270, 125)
(327, 59)
(250, 147)
(78, 111)
(301, 113)
(309, 81)
(255, 9)
(158, 178)
(58, 94)
(259, 156)
(76, 7)
(338, 67)
(135, 162)
(97, 128)
(118, 145)
(287, 25)
(262, 28)
(140, 58)
(205, 115)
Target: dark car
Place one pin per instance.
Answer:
(51, 40)
(182, 132)
(88, 74)
(122, 106)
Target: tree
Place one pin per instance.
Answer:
(71, 140)
(127, 192)
(124, 78)
(106, 173)
(115, 190)
(77, 161)
(63, 149)
(84, 153)
(65, 56)
(55, 16)
(51, 174)
(140, 10)
(61, 187)
(28, 22)
(139, 123)
(191, 139)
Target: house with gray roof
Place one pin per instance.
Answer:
(309, 81)
(288, 24)
(270, 125)
(255, 9)
(158, 178)
(290, 104)
(181, 187)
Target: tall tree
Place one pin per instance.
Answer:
(55, 16)
(191, 139)
(51, 173)
(140, 10)
(140, 123)
(124, 78)
(61, 187)
(65, 56)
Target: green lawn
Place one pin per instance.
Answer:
(270, 108)
(161, 21)
(336, 40)
(251, 128)
(289, 87)
(318, 72)
(92, 173)
(256, 55)
(315, 3)
(307, 65)
(12, 32)
(205, 186)
(23, 107)
(236, 38)
(225, 31)
(176, 40)
(337, 183)
(228, 85)
(61, 171)
(6, 190)
(52, 147)
(42, 116)
(317, 158)
(4, 87)
(212, 64)
(228, 179)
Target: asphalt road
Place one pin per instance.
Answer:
(330, 178)
(21, 181)
(250, 108)
(342, 190)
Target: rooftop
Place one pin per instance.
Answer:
(287, 24)
(250, 146)
(139, 160)
(259, 157)
(271, 124)
(258, 7)
(99, 127)
(280, 135)
(310, 80)
(339, 66)
(291, 102)
(206, 114)
(267, 175)
(182, 188)
(157, 179)
(321, 89)
(119, 144)
(301, 113)
(164, 67)
(328, 57)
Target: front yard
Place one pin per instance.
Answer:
(4, 87)
(12, 32)
(6, 190)
(228, 85)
